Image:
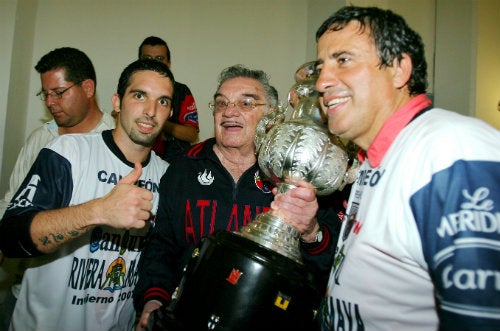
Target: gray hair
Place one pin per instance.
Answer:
(239, 70)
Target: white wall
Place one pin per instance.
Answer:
(7, 23)
(488, 62)
(204, 37)
(456, 55)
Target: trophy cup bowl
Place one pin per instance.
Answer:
(300, 148)
(255, 279)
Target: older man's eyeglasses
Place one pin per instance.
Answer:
(243, 104)
(55, 94)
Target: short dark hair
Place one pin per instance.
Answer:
(141, 65)
(392, 37)
(154, 41)
(76, 64)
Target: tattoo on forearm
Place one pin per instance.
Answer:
(57, 237)
(74, 233)
(45, 241)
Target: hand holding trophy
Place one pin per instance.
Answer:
(300, 148)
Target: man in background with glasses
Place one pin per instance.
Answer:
(218, 186)
(69, 91)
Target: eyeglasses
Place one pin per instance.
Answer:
(244, 104)
(54, 94)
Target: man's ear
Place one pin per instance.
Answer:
(115, 101)
(402, 71)
(88, 86)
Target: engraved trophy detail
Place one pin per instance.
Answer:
(298, 148)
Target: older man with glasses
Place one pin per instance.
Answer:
(69, 91)
(218, 186)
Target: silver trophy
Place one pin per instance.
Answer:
(298, 148)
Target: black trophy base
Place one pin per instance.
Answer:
(237, 284)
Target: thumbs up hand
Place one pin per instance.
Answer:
(134, 175)
(127, 206)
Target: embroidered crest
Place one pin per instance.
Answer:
(205, 178)
(261, 184)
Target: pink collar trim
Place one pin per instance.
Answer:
(391, 128)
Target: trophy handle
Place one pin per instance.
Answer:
(267, 122)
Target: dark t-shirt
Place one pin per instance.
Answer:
(185, 112)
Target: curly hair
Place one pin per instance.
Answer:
(392, 37)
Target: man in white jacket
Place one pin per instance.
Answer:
(69, 91)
